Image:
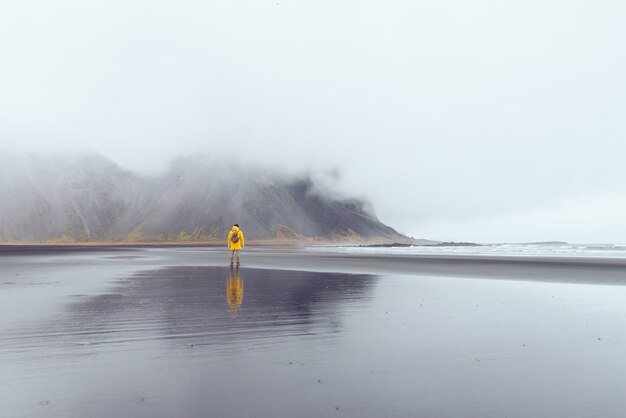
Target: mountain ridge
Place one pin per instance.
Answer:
(92, 199)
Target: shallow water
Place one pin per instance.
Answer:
(141, 337)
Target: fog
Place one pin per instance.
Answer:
(479, 121)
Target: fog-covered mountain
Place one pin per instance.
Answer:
(89, 198)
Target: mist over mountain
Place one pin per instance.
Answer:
(90, 198)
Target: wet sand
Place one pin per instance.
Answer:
(165, 332)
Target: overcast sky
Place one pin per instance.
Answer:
(460, 120)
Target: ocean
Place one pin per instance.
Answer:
(538, 249)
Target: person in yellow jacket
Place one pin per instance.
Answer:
(235, 243)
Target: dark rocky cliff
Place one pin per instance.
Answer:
(76, 199)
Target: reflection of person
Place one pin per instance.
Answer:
(235, 243)
(234, 291)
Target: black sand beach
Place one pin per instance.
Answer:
(174, 332)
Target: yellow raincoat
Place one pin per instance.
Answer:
(235, 245)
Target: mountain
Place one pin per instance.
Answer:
(90, 198)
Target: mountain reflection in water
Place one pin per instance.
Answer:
(185, 305)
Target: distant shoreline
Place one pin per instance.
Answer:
(582, 270)
(434, 244)
(317, 250)
(217, 243)
(6, 248)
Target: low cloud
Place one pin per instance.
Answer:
(453, 118)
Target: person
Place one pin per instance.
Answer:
(235, 243)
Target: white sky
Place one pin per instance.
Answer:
(463, 120)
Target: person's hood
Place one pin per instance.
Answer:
(235, 229)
